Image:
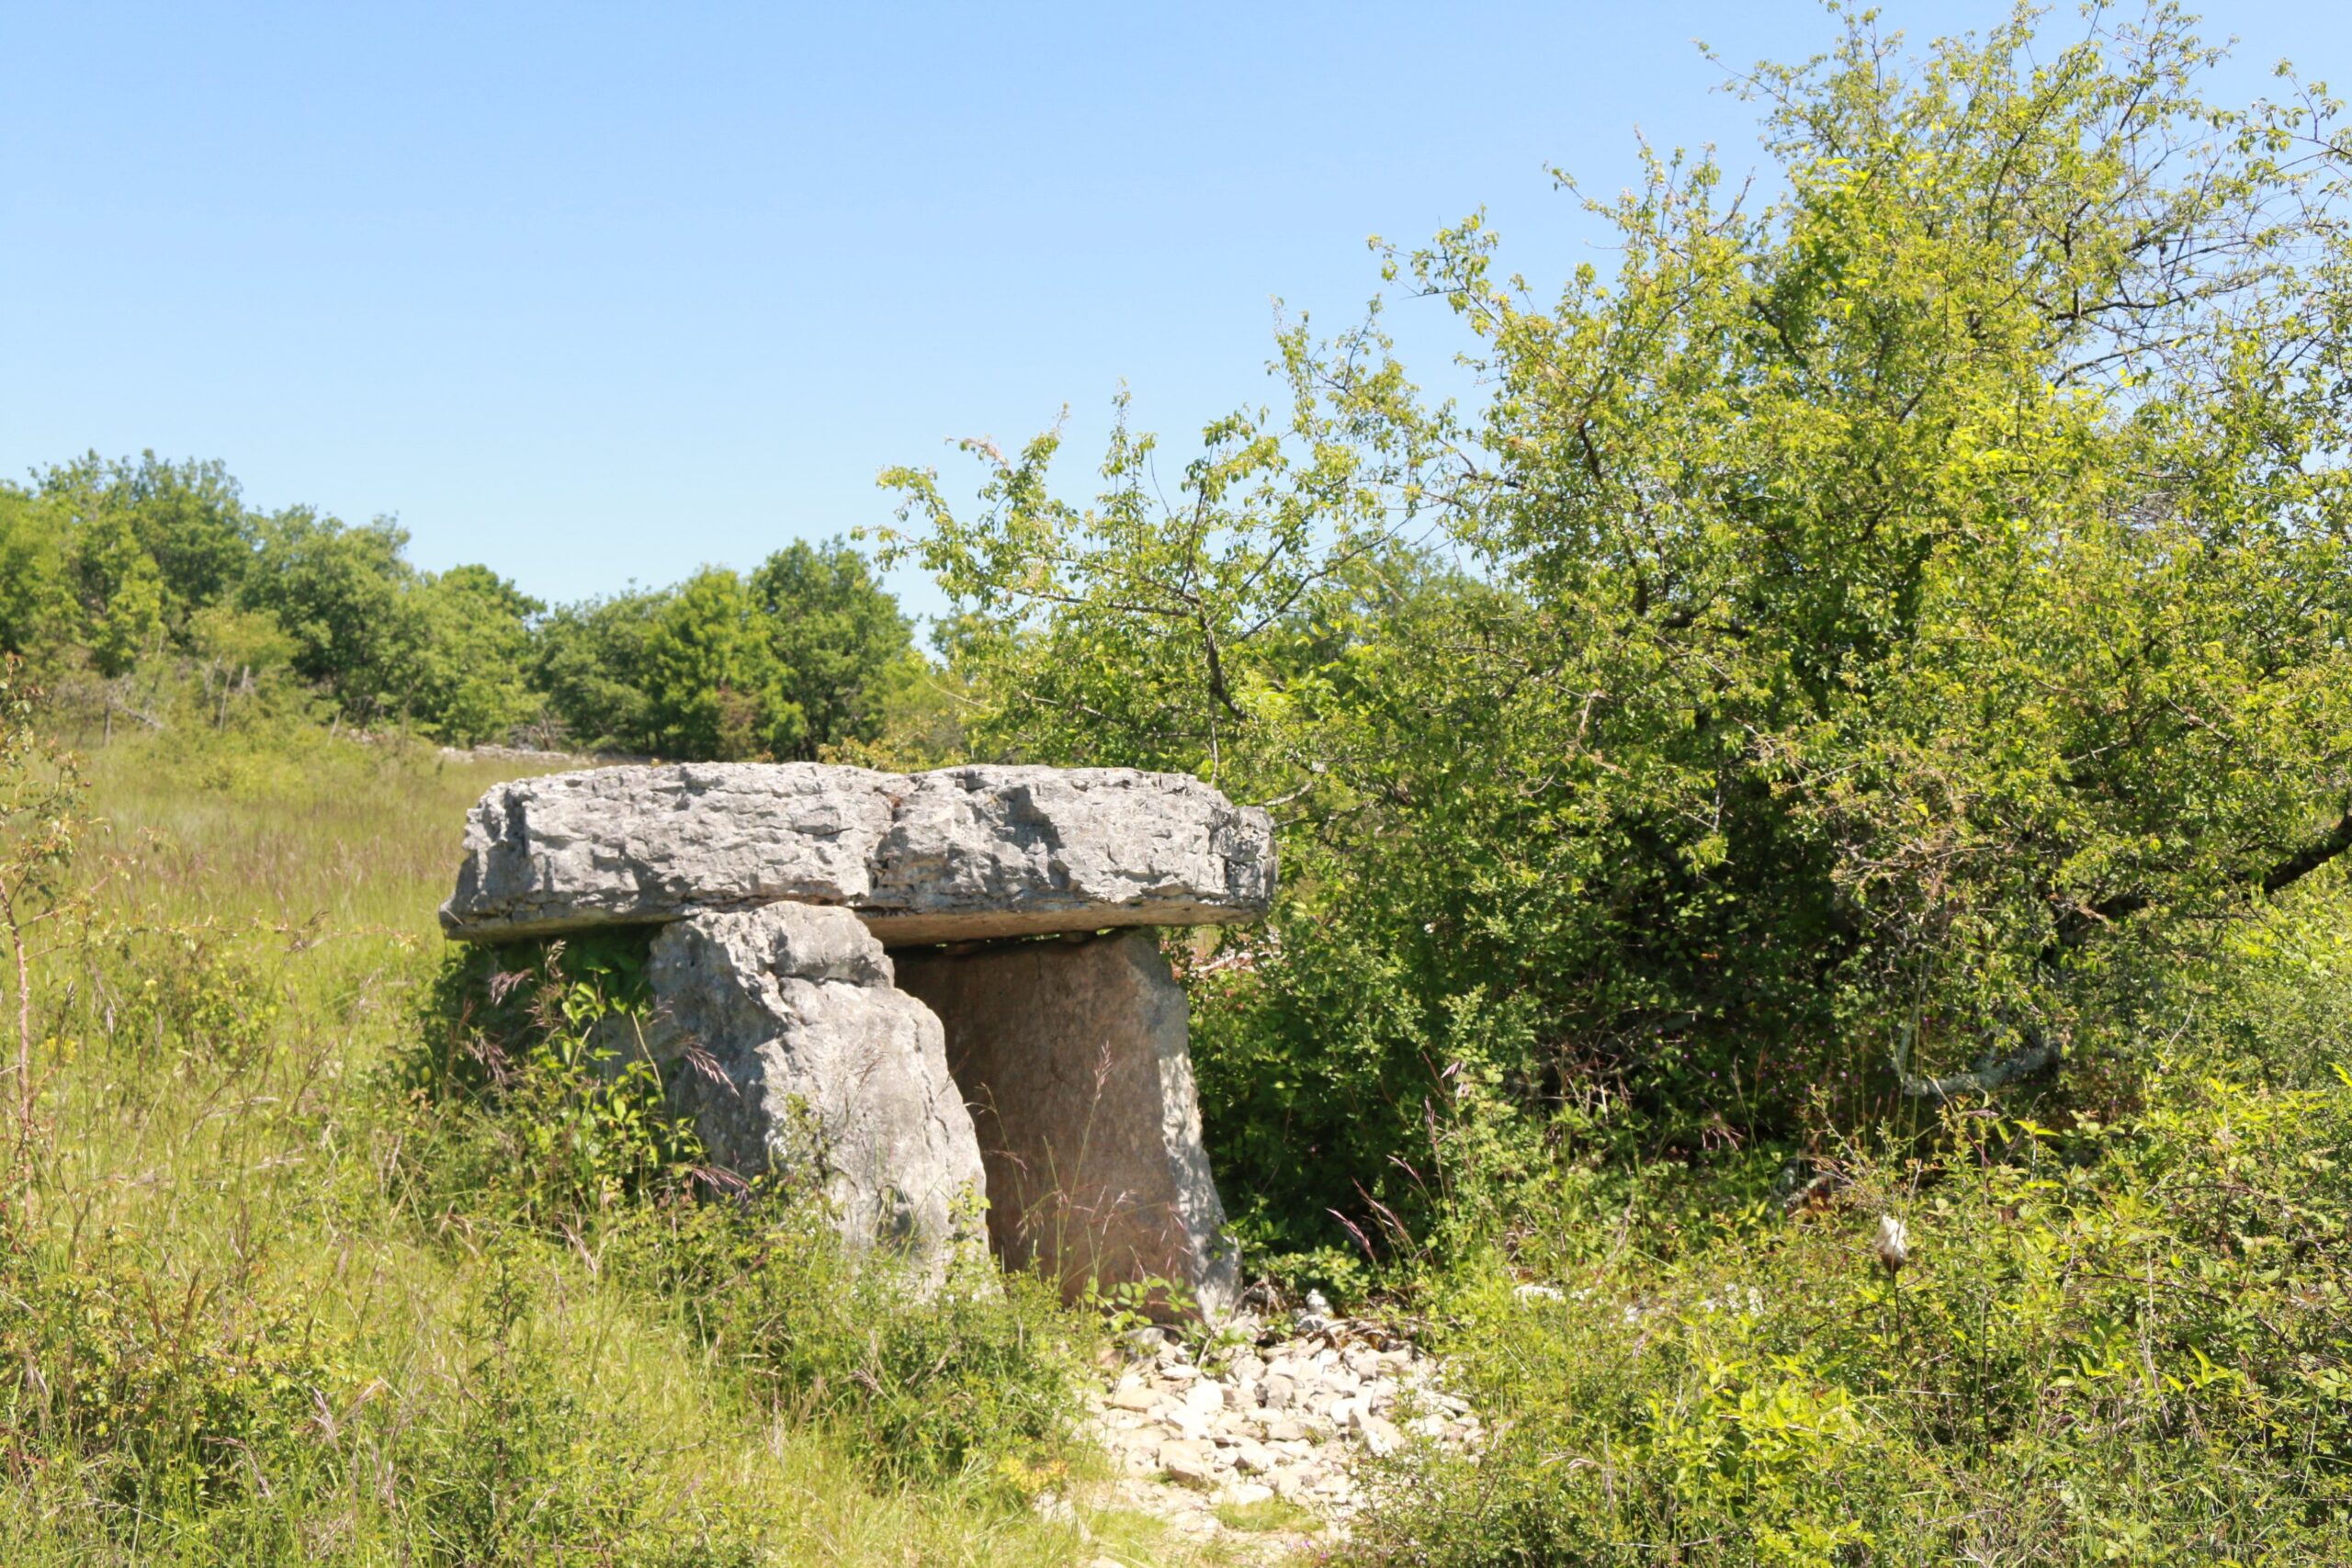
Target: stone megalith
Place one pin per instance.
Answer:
(794, 1048)
(947, 856)
(780, 1033)
(1077, 1062)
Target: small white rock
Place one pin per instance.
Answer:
(1379, 1433)
(1187, 1463)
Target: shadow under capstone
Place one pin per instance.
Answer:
(1074, 1058)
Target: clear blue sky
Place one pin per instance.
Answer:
(595, 292)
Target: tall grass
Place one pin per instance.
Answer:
(231, 1331)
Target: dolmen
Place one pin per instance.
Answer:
(931, 994)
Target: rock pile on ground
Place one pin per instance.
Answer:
(1290, 1414)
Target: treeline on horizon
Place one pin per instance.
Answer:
(127, 582)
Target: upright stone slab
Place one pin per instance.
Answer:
(1076, 1064)
(786, 1041)
(963, 852)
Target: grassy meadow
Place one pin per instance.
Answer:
(263, 1303)
(326, 1244)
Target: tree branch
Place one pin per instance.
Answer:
(2311, 857)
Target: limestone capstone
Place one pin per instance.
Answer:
(970, 853)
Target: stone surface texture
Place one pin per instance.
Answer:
(1075, 1061)
(964, 852)
(793, 1051)
(1290, 1411)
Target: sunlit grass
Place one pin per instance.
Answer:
(217, 1164)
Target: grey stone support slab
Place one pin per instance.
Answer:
(978, 852)
(784, 1037)
(1076, 1064)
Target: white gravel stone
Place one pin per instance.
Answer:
(1187, 1462)
(1224, 1443)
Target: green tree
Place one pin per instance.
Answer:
(343, 593)
(588, 662)
(32, 573)
(838, 637)
(115, 594)
(473, 639)
(713, 688)
(188, 517)
(1856, 639)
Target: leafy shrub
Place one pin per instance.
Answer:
(2121, 1340)
(185, 987)
(928, 1383)
(177, 1388)
(540, 1105)
(517, 1468)
(1850, 637)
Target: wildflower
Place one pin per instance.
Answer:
(1893, 1244)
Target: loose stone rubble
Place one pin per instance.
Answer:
(1291, 1415)
(805, 1048)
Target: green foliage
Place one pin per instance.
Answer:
(31, 568)
(340, 593)
(713, 686)
(802, 659)
(539, 1105)
(928, 1386)
(168, 1396)
(187, 519)
(43, 825)
(838, 637)
(2115, 1341)
(114, 593)
(519, 1473)
(1855, 640)
(589, 661)
(551, 1111)
(473, 631)
(199, 991)
(264, 1304)
(148, 574)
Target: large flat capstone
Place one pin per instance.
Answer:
(964, 852)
